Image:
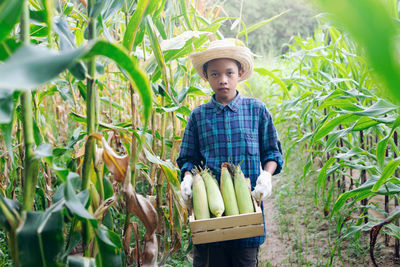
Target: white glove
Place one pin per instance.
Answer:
(263, 187)
(186, 187)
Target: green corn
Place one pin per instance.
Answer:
(200, 204)
(228, 191)
(242, 191)
(215, 201)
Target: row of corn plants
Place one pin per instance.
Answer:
(94, 99)
(74, 65)
(343, 111)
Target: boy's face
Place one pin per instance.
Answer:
(223, 75)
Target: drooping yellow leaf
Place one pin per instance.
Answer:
(115, 163)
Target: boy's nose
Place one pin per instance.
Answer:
(223, 80)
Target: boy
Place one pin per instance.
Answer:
(229, 128)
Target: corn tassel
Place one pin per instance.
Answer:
(242, 192)
(228, 191)
(215, 201)
(200, 204)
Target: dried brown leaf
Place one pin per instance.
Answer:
(150, 251)
(136, 251)
(115, 163)
(141, 207)
(126, 240)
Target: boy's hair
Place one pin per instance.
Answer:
(205, 66)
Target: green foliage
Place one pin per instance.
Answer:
(9, 14)
(338, 113)
(373, 25)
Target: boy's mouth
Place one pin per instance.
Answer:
(223, 89)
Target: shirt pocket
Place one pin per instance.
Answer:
(251, 142)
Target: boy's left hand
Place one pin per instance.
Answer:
(263, 187)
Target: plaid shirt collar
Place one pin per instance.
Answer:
(233, 106)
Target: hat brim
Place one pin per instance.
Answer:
(242, 54)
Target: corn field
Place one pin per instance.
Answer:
(94, 101)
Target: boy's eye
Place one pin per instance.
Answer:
(230, 72)
(214, 74)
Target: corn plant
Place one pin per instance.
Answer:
(344, 114)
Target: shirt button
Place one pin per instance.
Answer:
(227, 121)
(229, 159)
(229, 139)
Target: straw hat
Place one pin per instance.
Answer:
(226, 48)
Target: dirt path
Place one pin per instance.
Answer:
(273, 251)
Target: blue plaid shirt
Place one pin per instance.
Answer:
(240, 131)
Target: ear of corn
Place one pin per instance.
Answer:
(242, 192)
(200, 203)
(215, 201)
(228, 191)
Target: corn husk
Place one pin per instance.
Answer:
(242, 191)
(200, 202)
(215, 201)
(228, 191)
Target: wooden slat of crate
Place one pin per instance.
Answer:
(228, 234)
(227, 227)
(226, 222)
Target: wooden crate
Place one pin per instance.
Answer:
(227, 227)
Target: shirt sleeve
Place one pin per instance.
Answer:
(189, 154)
(270, 146)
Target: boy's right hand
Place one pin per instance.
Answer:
(186, 186)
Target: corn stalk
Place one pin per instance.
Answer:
(92, 119)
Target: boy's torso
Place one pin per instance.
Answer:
(230, 134)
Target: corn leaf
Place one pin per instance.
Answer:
(387, 173)
(10, 11)
(158, 54)
(364, 188)
(182, 5)
(67, 41)
(95, 8)
(32, 66)
(130, 65)
(334, 138)
(322, 176)
(364, 123)
(382, 145)
(110, 248)
(40, 238)
(9, 210)
(261, 23)
(265, 72)
(110, 8)
(380, 108)
(327, 127)
(73, 203)
(178, 42)
(133, 25)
